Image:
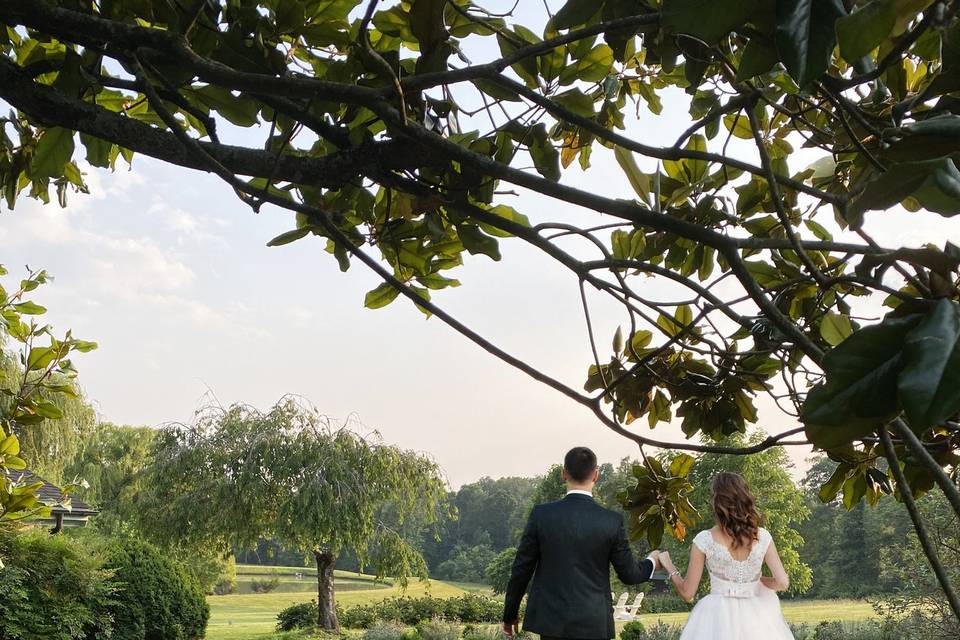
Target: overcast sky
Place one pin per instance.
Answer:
(170, 274)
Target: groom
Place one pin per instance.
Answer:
(567, 548)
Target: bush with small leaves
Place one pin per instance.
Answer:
(389, 631)
(633, 630)
(438, 629)
(468, 608)
(297, 616)
(155, 596)
(52, 587)
(482, 632)
(659, 631)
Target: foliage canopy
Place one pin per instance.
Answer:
(391, 142)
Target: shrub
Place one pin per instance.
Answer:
(632, 631)
(467, 608)
(387, 631)
(52, 587)
(358, 617)
(264, 585)
(155, 597)
(437, 629)
(225, 586)
(660, 631)
(902, 629)
(487, 632)
(298, 616)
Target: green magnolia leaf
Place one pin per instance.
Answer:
(640, 340)
(576, 101)
(98, 151)
(593, 67)
(40, 357)
(545, 156)
(926, 140)
(383, 295)
(289, 236)
(863, 30)
(239, 110)
(707, 20)
(54, 150)
(575, 12)
(527, 68)
(887, 189)
(832, 487)
(30, 308)
(860, 393)
(681, 466)
(758, 57)
(477, 242)
(929, 384)
(9, 446)
(689, 171)
(835, 328)
(47, 409)
(638, 179)
(739, 125)
(854, 489)
(495, 91)
(806, 37)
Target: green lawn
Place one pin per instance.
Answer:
(245, 616)
(250, 616)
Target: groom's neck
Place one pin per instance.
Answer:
(580, 487)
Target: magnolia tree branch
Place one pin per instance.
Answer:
(928, 547)
(324, 221)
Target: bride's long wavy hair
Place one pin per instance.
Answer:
(735, 509)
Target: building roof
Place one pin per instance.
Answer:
(51, 494)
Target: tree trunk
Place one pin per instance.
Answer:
(326, 599)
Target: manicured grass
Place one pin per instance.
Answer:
(248, 616)
(809, 611)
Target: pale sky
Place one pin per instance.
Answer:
(169, 272)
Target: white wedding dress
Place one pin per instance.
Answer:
(739, 606)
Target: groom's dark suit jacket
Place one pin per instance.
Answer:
(567, 548)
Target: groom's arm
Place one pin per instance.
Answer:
(524, 564)
(627, 568)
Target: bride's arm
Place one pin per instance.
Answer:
(686, 586)
(779, 581)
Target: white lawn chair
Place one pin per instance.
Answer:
(634, 609)
(620, 608)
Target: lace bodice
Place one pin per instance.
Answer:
(723, 565)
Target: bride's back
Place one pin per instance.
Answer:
(735, 565)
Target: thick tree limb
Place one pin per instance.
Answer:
(47, 105)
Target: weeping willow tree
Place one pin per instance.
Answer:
(237, 475)
(396, 135)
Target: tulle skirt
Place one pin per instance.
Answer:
(719, 617)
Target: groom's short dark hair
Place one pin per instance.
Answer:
(580, 463)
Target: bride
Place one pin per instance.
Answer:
(742, 604)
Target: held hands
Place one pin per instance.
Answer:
(511, 628)
(666, 562)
